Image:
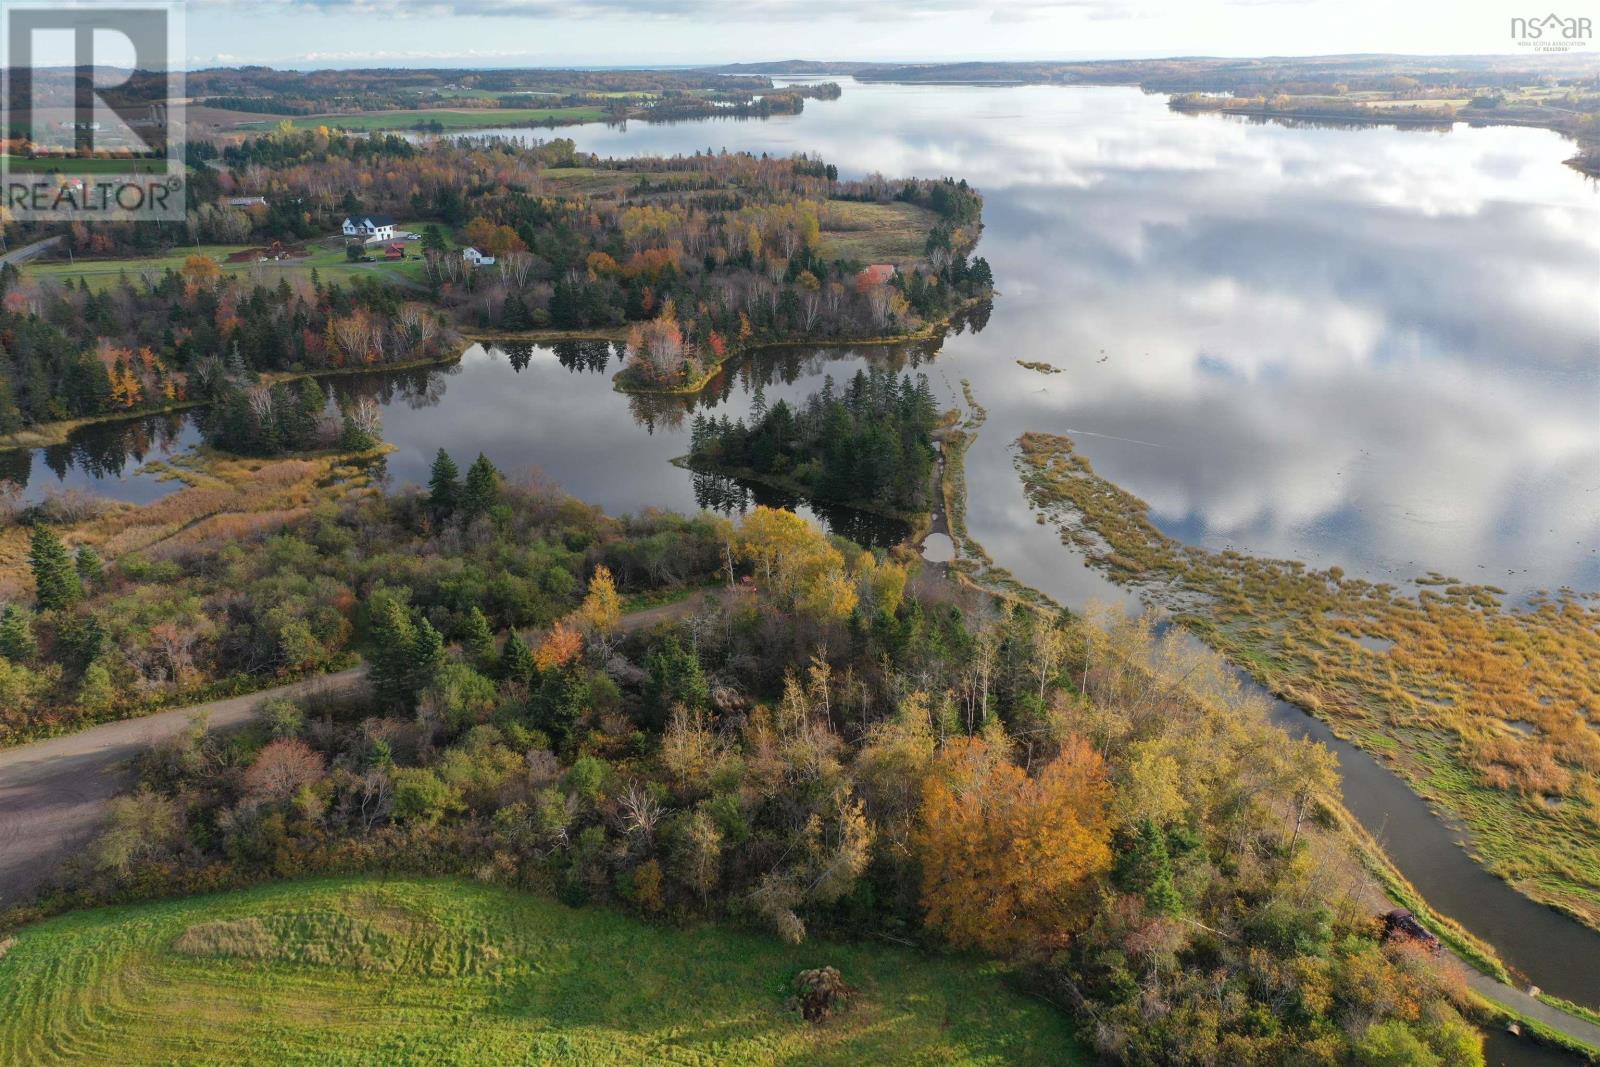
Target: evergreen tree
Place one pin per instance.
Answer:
(54, 576)
(17, 642)
(558, 704)
(393, 639)
(477, 639)
(482, 490)
(427, 657)
(89, 566)
(675, 677)
(444, 486)
(1144, 867)
(516, 659)
(514, 313)
(81, 640)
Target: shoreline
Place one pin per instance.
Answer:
(1478, 120)
(913, 519)
(698, 385)
(47, 434)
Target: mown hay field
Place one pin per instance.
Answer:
(363, 971)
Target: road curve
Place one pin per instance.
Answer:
(53, 792)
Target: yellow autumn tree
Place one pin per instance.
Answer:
(1008, 860)
(795, 564)
(200, 272)
(602, 607)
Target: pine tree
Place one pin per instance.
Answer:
(427, 657)
(17, 643)
(54, 577)
(1145, 867)
(393, 637)
(444, 486)
(482, 489)
(89, 566)
(477, 639)
(516, 659)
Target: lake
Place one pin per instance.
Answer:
(1376, 348)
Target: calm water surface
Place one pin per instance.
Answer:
(1376, 348)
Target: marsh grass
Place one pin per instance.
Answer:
(362, 971)
(1488, 712)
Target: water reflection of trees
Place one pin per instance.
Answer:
(417, 388)
(104, 451)
(585, 357)
(1333, 122)
(734, 496)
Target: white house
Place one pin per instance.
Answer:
(477, 258)
(370, 227)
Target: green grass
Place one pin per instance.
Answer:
(361, 971)
(326, 256)
(46, 165)
(875, 233)
(465, 119)
(593, 181)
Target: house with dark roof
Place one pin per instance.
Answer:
(370, 228)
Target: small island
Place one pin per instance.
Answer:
(869, 446)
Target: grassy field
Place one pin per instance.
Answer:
(595, 181)
(451, 119)
(24, 165)
(875, 233)
(327, 256)
(358, 971)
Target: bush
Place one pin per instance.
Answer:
(820, 993)
(420, 797)
(282, 718)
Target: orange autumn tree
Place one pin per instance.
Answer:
(559, 647)
(1008, 860)
(200, 272)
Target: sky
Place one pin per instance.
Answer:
(488, 33)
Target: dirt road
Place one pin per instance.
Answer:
(53, 793)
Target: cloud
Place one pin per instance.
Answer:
(721, 10)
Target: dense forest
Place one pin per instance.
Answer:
(869, 444)
(67, 351)
(834, 743)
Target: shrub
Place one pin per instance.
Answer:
(420, 797)
(820, 993)
(282, 767)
